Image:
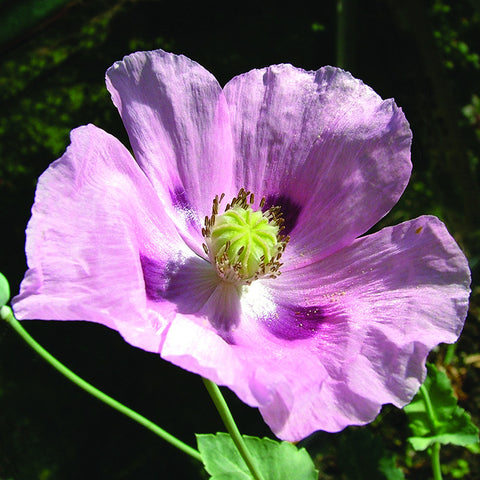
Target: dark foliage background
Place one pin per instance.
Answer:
(53, 56)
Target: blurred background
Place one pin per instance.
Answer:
(53, 57)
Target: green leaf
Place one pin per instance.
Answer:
(275, 460)
(447, 422)
(4, 290)
(389, 469)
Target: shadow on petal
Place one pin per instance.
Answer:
(273, 392)
(397, 369)
(223, 310)
(194, 287)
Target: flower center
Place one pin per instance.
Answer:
(244, 244)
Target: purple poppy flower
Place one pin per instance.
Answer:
(172, 249)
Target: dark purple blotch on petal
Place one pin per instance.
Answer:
(293, 322)
(155, 276)
(179, 198)
(290, 210)
(182, 205)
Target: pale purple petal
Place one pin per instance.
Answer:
(177, 120)
(325, 346)
(349, 323)
(95, 215)
(322, 145)
(387, 300)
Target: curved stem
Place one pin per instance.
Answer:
(435, 448)
(428, 407)
(231, 426)
(7, 314)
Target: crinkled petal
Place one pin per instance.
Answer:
(95, 216)
(325, 346)
(177, 120)
(381, 305)
(323, 146)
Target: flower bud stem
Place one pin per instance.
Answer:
(434, 450)
(231, 426)
(7, 314)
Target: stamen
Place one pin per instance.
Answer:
(244, 244)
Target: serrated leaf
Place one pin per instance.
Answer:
(275, 460)
(4, 290)
(451, 423)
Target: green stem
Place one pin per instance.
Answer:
(429, 408)
(435, 448)
(435, 458)
(450, 353)
(7, 314)
(231, 426)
